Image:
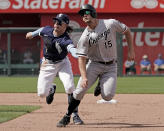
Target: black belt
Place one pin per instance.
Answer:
(52, 61)
(106, 63)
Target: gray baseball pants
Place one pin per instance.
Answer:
(107, 75)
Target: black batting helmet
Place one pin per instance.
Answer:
(90, 8)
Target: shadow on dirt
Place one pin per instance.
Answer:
(120, 125)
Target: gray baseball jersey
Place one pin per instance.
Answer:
(100, 44)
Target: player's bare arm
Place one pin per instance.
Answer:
(131, 53)
(82, 68)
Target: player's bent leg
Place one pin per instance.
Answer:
(66, 76)
(92, 76)
(108, 92)
(79, 93)
(42, 92)
(45, 88)
(42, 85)
(109, 84)
(45, 80)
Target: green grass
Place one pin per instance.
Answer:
(18, 84)
(10, 112)
(125, 85)
(140, 85)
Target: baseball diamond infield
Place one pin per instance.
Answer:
(132, 112)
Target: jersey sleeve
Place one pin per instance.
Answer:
(119, 27)
(37, 32)
(82, 46)
(45, 31)
(68, 41)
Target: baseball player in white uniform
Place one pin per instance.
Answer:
(98, 43)
(57, 45)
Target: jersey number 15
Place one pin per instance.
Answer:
(108, 44)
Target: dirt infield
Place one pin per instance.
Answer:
(133, 112)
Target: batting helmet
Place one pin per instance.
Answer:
(88, 7)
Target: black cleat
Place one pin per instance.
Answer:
(50, 97)
(77, 120)
(64, 121)
(97, 90)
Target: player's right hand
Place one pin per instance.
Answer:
(29, 35)
(84, 83)
(131, 55)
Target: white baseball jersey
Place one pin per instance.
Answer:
(100, 44)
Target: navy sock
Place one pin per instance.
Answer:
(69, 99)
(73, 104)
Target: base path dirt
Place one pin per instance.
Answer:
(134, 112)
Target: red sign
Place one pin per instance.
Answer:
(71, 6)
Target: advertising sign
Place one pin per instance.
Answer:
(71, 6)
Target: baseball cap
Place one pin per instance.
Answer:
(62, 18)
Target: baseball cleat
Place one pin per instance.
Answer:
(50, 97)
(77, 120)
(64, 121)
(97, 90)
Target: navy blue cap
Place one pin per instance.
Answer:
(62, 17)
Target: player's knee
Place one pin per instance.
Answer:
(108, 97)
(42, 91)
(79, 93)
(78, 96)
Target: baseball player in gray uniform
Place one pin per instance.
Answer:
(98, 44)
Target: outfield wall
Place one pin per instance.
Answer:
(30, 13)
(150, 43)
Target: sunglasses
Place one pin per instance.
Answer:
(86, 12)
(58, 22)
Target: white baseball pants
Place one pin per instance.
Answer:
(49, 71)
